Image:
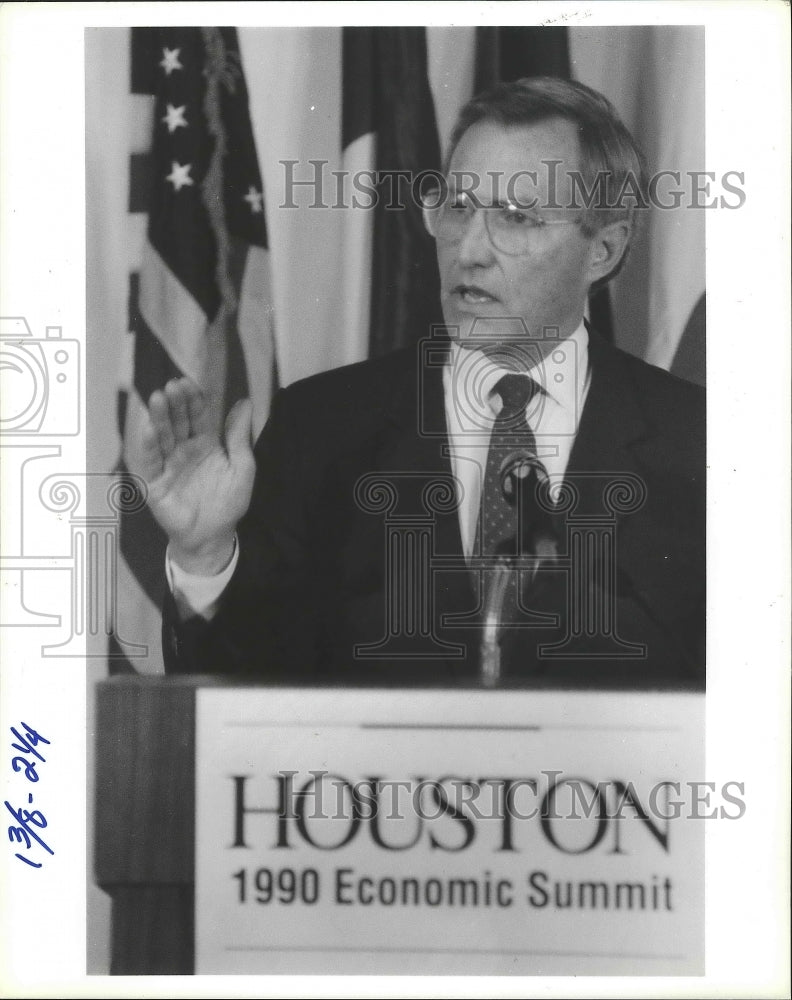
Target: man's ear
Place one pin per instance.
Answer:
(608, 247)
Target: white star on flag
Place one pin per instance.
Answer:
(255, 199)
(179, 175)
(170, 60)
(174, 117)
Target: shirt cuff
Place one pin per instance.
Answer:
(198, 595)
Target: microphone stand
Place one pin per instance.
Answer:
(498, 578)
(490, 658)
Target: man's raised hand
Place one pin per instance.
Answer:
(199, 486)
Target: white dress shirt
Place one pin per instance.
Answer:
(471, 407)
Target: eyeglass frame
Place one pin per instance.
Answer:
(538, 223)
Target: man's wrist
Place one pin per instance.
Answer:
(208, 560)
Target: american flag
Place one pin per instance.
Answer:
(201, 303)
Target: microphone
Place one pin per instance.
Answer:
(520, 475)
(514, 468)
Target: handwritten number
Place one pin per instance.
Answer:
(33, 864)
(29, 816)
(27, 745)
(34, 737)
(24, 817)
(19, 833)
(23, 834)
(29, 765)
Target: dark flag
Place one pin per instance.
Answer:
(506, 54)
(386, 94)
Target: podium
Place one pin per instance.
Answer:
(186, 895)
(145, 820)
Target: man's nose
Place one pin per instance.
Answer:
(475, 247)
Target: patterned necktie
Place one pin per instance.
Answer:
(512, 522)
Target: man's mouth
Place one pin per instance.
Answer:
(473, 295)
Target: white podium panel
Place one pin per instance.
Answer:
(481, 833)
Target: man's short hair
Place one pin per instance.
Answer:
(609, 154)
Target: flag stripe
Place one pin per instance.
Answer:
(153, 365)
(172, 315)
(133, 304)
(236, 376)
(122, 401)
(137, 223)
(140, 122)
(141, 176)
(255, 325)
(357, 243)
(143, 545)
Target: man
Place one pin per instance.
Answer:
(517, 503)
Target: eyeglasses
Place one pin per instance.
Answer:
(511, 229)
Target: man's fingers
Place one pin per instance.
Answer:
(197, 410)
(238, 427)
(176, 394)
(151, 455)
(159, 414)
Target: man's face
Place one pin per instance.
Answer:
(481, 286)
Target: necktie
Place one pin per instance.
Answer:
(512, 522)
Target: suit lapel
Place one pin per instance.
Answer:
(415, 443)
(611, 420)
(611, 435)
(615, 442)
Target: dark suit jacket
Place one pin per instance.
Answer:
(351, 568)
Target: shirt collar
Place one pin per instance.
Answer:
(562, 374)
